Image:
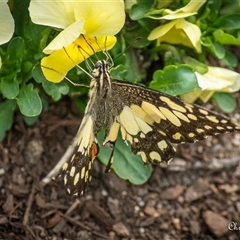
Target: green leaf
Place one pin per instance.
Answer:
(226, 102)
(30, 120)
(231, 21)
(175, 80)
(214, 47)
(38, 74)
(196, 65)
(140, 32)
(230, 59)
(16, 48)
(140, 9)
(33, 31)
(118, 72)
(21, 15)
(229, 7)
(9, 87)
(55, 90)
(212, 8)
(29, 101)
(126, 165)
(6, 116)
(225, 38)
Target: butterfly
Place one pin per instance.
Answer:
(149, 120)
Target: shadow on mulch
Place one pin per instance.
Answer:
(196, 197)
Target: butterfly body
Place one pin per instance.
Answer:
(149, 120)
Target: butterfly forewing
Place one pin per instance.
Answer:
(149, 120)
(175, 120)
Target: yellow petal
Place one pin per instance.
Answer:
(192, 96)
(219, 79)
(176, 16)
(102, 18)
(54, 13)
(6, 23)
(178, 31)
(160, 31)
(193, 33)
(206, 95)
(66, 37)
(56, 65)
(191, 8)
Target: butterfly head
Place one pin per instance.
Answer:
(102, 77)
(101, 68)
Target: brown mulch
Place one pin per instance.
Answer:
(196, 197)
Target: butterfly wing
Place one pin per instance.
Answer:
(76, 171)
(151, 121)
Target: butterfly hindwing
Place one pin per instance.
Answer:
(76, 172)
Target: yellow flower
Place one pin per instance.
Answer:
(6, 23)
(179, 31)
(215, 80)
(88, 27)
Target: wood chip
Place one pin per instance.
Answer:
(217, 224)
(121, 229)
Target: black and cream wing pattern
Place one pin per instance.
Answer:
(150, 121)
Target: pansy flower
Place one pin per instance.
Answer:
(87, 27)
(178, 30)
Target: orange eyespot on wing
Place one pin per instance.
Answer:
(94, 150)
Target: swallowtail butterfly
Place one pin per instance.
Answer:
(149, 120)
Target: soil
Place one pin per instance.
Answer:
(197, 196)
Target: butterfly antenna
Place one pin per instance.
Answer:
(105, 52)
(135, 40)
(86, 60)
(82, 69)
(64, 76)
(93, 63)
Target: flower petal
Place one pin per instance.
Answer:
(192, 31)
(102, 18)
(206, 95)
(177, 15)
(178, 31)
(191, 8)
(191, 97)
(219, 79)
(6, 23)
(56, 65)
(160, 31)
(65, 38)
(52, 13)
